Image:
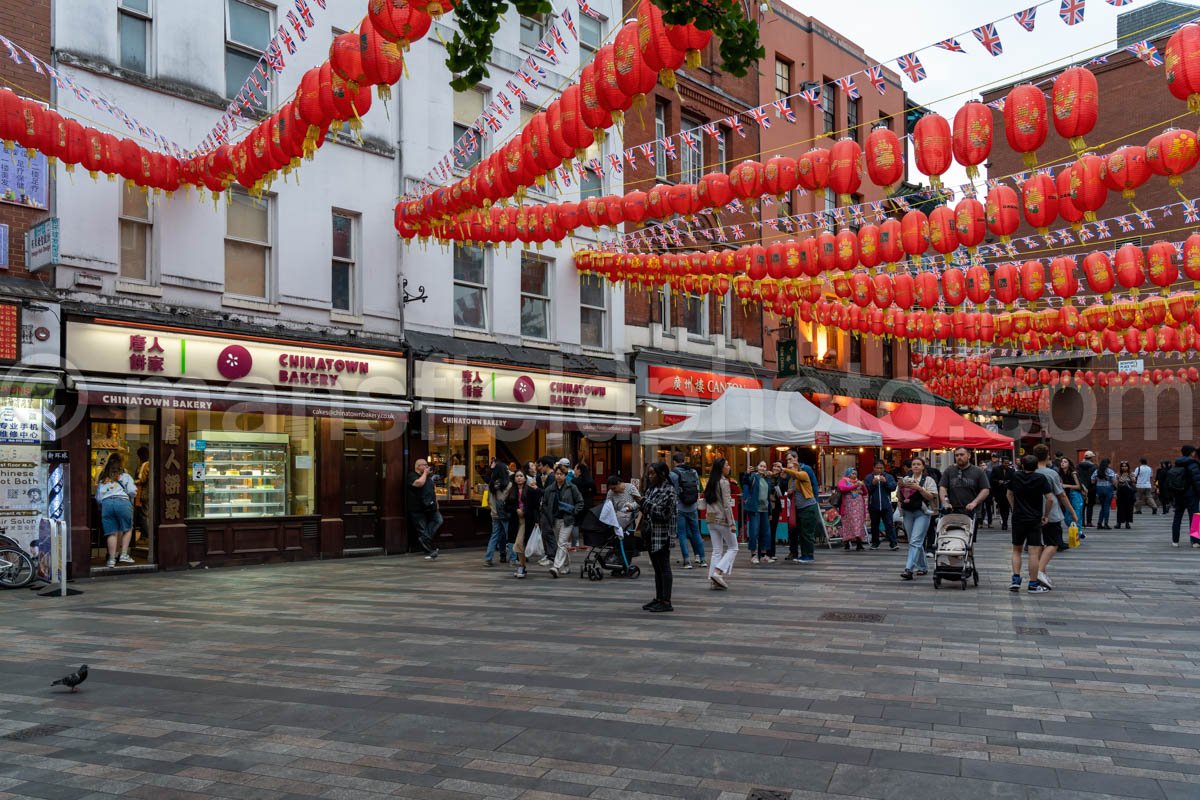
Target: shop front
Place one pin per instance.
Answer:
(473, 414)
(244, 448)
(672, 389)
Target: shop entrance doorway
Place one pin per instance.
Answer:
(134, 443)
(361, 477)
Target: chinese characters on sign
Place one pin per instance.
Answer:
(10, 333)
(472, 385)
(21, 421)
(172, 476)
(690, 383)
(144, 356)
(23, 180)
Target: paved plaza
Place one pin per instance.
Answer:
(395, 677)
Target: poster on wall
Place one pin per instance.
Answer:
(22, 493)
(24, 181)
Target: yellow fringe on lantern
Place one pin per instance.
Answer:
(972, 172)
(1193, 102)
(667, 78)
(618, 118)
(599, 134)
(1030, 159)
(384, 92)
(692, 59)
(1078, 145)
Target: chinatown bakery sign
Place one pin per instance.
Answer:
(151, 352)
(468, 384)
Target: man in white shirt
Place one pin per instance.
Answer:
(1143, 478)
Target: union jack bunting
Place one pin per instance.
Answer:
(783, 108)
(668, 146)
(989, 38)
(595, 166)
(494, 124)
(564, 175)
(57, 78)
(736, 231)
(33, 61)
(1191, 213)
(1027, 19)
(760, 116)
(305, 12)
(1144, 219)
(558, 37)
(950, 44)
(529, 80)
(1146, 52)
(735, 122)
(615, 160)
(508, 106)
(297, 26)
(1126, 224)
(911, 66)
(713, 130)
(1119, 3)
(813, 95)
(516, 91)
(569, 21)
(1085, 234)
(875, 76)
(687, 138)
(648, 152)
(997, 104)
(1167, 211)
(848, 86)
(1099, 60)
(546, 51)
(584, 8)
(1071, 11)
(12, 51)
(721, 237)
(287, 40)
(537, 69)
(735, 206)
(631, 157)
(1102, 229)
(275, 57)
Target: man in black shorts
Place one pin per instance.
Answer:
(1030, 496)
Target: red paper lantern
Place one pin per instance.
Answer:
(1007, 280)
(846, 257)
(884, 290)
(398, 21)
(925, 289)
(1191, 259)
(931, 138)
(914, 233)
(1131, 267)
(1172, 153)
(1003, 212)
(1033, 280)
(691, 40)
(904, 290)
(1025, 123)
(1088, 189)
(891, 249)
(382, 61)
(885, 158)
(595, 115)
(813, 169)
(810, 260)
(970, 222)
(1127, 169)
(954, 286)
(1062, 277)
(746, 180)
(1160, 260)
(972, 136)
(845, 169)
(1067, 209)
(660, 53)
(346, 59)
(1075, 104)
(634, 76)
(868, 246)
(1182, 60)
(1039, 196)
(615, 101)
(978, 285)
(779, 176)
(716, 190)
(943, 235)
(827, 251)
(862, 292)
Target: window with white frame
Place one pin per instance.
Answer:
(533, 30)
(470, 288)
(593, 310)
(248, 31)
(133, 31)
(660, 133)
(853, 109)
(136, 229)
(664, 310)
(695, 314)
(783, 78)
(830, 205)
(344, 265)
(535, 296)
(248, 232)
(727, 316)
(722, 151)
(690, 161)
(468, 107)
(591, 184)
(828, 107)
(591, 36)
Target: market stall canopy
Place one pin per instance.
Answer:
(856, 415)
(763, 417)
(941, 427)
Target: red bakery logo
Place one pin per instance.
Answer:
(234, 362)
(524, 389)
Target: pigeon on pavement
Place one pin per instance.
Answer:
(73, 680)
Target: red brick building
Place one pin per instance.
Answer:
(1135, 105)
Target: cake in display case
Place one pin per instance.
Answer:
(237, 474)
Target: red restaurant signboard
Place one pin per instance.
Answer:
(676, 382)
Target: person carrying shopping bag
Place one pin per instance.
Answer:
(722, 529)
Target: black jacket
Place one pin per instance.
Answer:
(570, 495)
(1193, 468)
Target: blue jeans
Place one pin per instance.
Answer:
(1104, 496)
(687, 524)
(499, 539)
(916, 523)
(758, 532)
(1077, 504)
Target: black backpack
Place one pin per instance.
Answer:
(1177, 479)
(689, 485)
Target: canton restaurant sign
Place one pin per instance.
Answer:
(144, 352)
(470, 384)
(676, 382)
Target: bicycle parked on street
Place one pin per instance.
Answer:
(16, 567)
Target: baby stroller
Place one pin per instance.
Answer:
(611, 549)
(954, 558)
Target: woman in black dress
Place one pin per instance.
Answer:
(1126, 495)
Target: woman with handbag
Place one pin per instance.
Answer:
(918, 493)
(527, 502)
(722, 529)
(660, 509)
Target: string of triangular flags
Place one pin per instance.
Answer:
(20, 56)
(526, 79)
(256, 88)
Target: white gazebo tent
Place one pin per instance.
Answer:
(763, 417)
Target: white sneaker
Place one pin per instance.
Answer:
(1174, 544)
(1044, 579)
(688, 565)
(700, 562)
(753, 559)
(768, 560)
(112, 562)
(125, 559)
(545, 562)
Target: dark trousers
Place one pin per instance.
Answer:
(1089, 505)
(889, 525)
(661, 561)
(1003, 509)
(426, 525)
(989, 508)
(1184, 507)
(774, 523)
